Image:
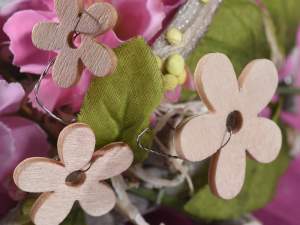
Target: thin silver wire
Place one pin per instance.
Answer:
(90, 15)
(39, 102)
(46, 71)
(166, 155)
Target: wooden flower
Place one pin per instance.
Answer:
(233, 105)
(70, 62)
(76, 177)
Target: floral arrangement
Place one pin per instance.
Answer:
(158, 44)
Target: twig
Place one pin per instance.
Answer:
(124, 203)
(192, 20)
(156, 182)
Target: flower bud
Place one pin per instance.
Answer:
(174, 36)
(182, 78)
(175, 65)
(170, 82)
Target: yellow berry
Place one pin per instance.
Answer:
(175, 65)
(174, 36)
(182, 78)
(159, 61)
(170, 82)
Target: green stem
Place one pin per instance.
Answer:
(288, 90)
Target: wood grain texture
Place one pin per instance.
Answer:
(75, 146)
(75, 55)
(76, 152)
(202, 136)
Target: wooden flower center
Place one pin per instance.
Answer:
(76, 178)
(234, 121)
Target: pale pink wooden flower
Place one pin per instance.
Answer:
(236, 104)
(76, 177)
(71, 60)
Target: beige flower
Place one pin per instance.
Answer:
(71, 60)
(75, 178)
(233, 105)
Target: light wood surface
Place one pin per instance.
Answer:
(201, 137)
(72, 59)
(76, 152)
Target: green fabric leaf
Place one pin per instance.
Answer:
(237, 30)
(118, 107)
(260, 184)
(76, 217)
(286, 17)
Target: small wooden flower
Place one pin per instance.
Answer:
(70, 62)
(75, 178)
(233, 105)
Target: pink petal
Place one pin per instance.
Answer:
(60, 97)
(6, 203)
(266, 113)
(171, 5)
(110, 39)
(292, 119)
(190, 83)
(26, 56)
(292, 63)
(20, 138)
(18, 5)
(284, 209)
(145, 21)
(11, 97)
(170, 8)
(173, 96)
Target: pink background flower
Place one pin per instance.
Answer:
(291, 69)
(17, 136)
(284, 209)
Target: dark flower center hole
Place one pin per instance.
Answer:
(74, 40)
(75, 179)
(234, 121)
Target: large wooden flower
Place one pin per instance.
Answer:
(76, 177)
(233, 106)
(71, 60)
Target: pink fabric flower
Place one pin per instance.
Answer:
(147, 21)
(291, 69)
(17, 136)
(284, 209)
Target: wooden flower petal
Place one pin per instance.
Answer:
(51, 208)
(76, 145)
(258, 83)
(100, 18)
(67, 68)
(38, 175)
(44, 36)
(110, 161)
(99, 59)
(68, 10)
(263, 140)
(97, 199)
(227, 170)
(200, 137)
(216, 82)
